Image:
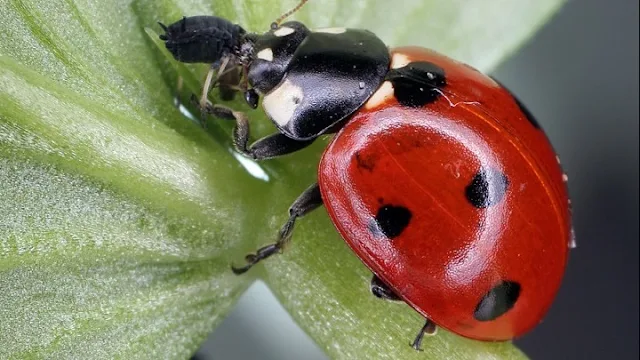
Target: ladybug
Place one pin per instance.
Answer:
(438, 178)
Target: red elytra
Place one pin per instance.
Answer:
(451, 254)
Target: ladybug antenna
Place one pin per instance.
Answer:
(275, 24)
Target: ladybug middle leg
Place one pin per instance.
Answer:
(268, 147)
(382, 291)
(309, 200)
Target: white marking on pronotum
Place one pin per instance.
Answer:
(384, 92)
(399, 60)
(265, 54)
(332, 30)
(565, 177)
(284, 31)
(282, 101)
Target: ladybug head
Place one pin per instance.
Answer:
(273, 51)
(205, 39)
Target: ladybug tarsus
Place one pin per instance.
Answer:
(429, 328)
(218, 111)
(252, 259)
(308, 201)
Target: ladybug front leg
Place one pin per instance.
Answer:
(309, 200)
(268, 147)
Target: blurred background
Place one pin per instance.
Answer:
(579, 77)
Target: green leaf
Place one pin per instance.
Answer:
(120, 217)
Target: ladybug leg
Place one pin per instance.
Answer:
(227, 78)
(429, 328)
(382, 291)
(309, 200)
(268, 147)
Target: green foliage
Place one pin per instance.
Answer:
(119, 217)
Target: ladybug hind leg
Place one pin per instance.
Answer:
(429, 328)
(308, 201)
(382, 291)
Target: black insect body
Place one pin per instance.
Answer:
(202, 39)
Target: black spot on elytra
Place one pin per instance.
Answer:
(486, 188)
(523, 108)
(416, 84)
(391, 220)
(366, 162)
(497, 301)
